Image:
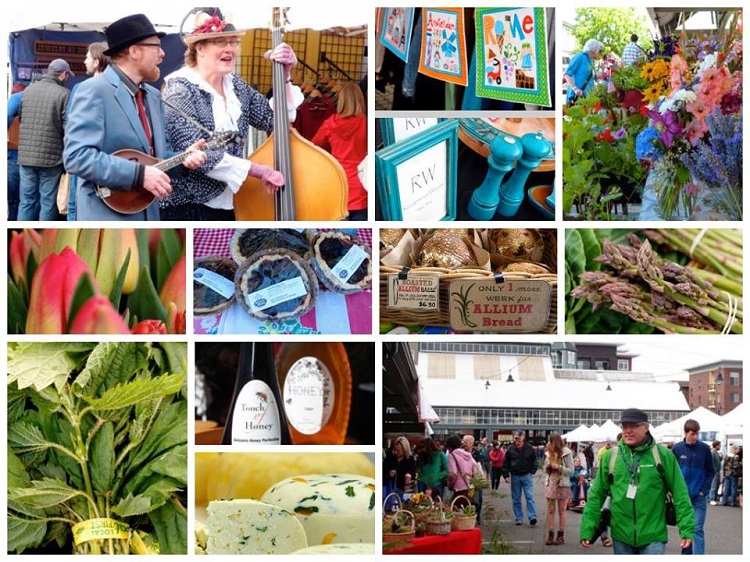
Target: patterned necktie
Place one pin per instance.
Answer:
(144, 119)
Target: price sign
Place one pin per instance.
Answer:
(415, 292)
(484, 305)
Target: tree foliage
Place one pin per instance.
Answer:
(612, 26)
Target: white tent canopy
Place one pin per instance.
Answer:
(708, 421)
(734, 421)
(578, 434)
(608, 431)
(78, 16)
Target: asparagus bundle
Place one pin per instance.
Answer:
(648, 288)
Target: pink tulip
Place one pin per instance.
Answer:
(150, 327)
(173, 289)
(52, 290)
(22, 245)
(98, 316)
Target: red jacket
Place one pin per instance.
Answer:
(497, 457)
(346, 139)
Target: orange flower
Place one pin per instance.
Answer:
(150, 327)
(98, 316)
(52, 290)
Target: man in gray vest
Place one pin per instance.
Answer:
(40, 143)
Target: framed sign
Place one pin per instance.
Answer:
(416, 177)
(512, 63)
(414, 292)
(517, 305)
(395, 30)
(395, 129)
(443, 53)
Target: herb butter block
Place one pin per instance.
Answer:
(252, 527)
(333, 508)
(344, 548)
(201, 537)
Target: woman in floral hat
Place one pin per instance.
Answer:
(207, 91)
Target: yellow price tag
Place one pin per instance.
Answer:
(97, 529)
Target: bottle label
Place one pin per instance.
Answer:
(255, 420)
(309, 395)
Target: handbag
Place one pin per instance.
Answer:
(63, 191)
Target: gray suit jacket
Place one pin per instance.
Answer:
(102, 119)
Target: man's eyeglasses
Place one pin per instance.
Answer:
(223, 42)
(157, 45)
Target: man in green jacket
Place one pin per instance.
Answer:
(638, 492)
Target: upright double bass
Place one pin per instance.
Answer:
(315, 185)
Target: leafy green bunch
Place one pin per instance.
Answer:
(97, 437)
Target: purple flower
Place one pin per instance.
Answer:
(668, 125)
(621, 134)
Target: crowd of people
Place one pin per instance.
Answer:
(628, 490)
(117, 109)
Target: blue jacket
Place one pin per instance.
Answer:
(697, 466)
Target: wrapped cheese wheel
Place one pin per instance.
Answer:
(333, 508)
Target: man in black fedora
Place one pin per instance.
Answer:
(118, 110)
(635, 478)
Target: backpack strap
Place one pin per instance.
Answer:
(612, 459)
(659, 467)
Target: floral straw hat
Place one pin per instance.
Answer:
(206, 26)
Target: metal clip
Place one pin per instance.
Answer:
(499, 278)
(403, 274)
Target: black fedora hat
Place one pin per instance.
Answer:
(127, 31)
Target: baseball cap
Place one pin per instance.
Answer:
(633, 415)
(59, 65)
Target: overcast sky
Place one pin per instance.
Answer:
(665, 355)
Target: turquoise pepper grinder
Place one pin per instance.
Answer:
(504, 151)
(535, 148)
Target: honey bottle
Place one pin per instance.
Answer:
(316, 385)
(256, 416)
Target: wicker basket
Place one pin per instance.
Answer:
(388, 517)
(441, 526)
(442, 317)
(422, 515)
(462, 522)
(404, 517)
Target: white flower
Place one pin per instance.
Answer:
(685, 95)
(708, 62)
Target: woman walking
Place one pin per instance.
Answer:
(558, 466)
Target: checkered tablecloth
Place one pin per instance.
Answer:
(333, 314)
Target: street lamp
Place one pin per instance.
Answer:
(487, 385)
(510, 379)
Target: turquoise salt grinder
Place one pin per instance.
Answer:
(535, 148)
(504, 151)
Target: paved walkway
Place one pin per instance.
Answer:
(723, 528)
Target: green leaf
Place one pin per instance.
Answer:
(173, 464)
(17, 309)
(144, 256)
(139, 390)
(144, 303)
(84, 291)
(110, 364)
(43, 364)
(176, 357)
(170, 524)
(26, 437)
(132, 505)
(23, 533)
(43, 493)
(102, 458)
(116, 292)
(592, 248)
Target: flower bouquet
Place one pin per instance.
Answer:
(420, 504)
(96, 281)
(693, 144)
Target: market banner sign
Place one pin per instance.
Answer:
(443, 53)
(512, 60)
(395, 31)
(414, 292)
(493, 305)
